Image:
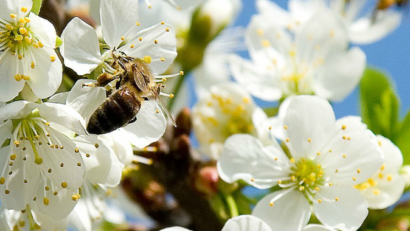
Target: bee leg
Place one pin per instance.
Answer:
(89, 85)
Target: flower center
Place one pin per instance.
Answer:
(30, 130)
(16, 35)
(307, 175)
(235, 118)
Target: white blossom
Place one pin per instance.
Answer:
(311, 60)
(364, 25)
(225, 111)
(327, 158)
(120, 28)
(386, 186)
(40, 164)
(27, 53)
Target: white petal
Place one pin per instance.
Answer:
(365, 31)
(16, 110)
(353, 157)
(101, 163)
(270, 9)
(245, 158)
(255, 80)
(290, 212)
(120, 145)
(43, 30)
(175, 229)
(80, 218)
(317, 228)
(149, 127)
(59, 98)
(8, 218)
(9, 87)
(80, 49)
(117, 17)
(59, 205)
(5, 131)
(347, 213)
(317, 39)
(334, 80)
(387, 192)
(158, 42)
(393, 157)
(66, 164)
(20, 193)
(309, 122)
(85, 100)
(14, 7)
(47, 222)
(351, 123)
(244, 222)
(47, 75)
(63, 115)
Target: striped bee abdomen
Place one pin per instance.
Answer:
(115, 112)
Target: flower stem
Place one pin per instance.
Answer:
(233, 208)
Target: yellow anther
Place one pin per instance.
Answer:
(344, 127)
(38, 160)
(9, 27)
(33, 65)
(382, 167)
(253, 180)
(309, 140)
(62, 165)
(13, 15)
(28, 40)
(18, 78)
(52, 58)
(330, 184)
(181, 72)
(279, 182)
(371, 182)
(358, 170)
(96, 145)
(292, 53)
(285, 127)
(64, 184)
(27, 19)
(20, 57)
(46, 201)
(332, 33)
(162, 59)
(317, 188)
(344, 155)
(381, 175)
(318, 153)
(344, 137)
(337, 199)
(138, 23)
(270, 128)
(23, 9)
(156, 41)
(354, 178)
(40, 44)
(319, 201)
(292, 160)
(389, 178)
(22, 21)
(259, 32)
(147, 59)
(23, 30)
(75, 197)
(76, 150)
(132, 46)
(79, 164)
(276, 159)
(287, 140)
(157, 111)
(35, 45)
(18, 37)
(47, 188)
(140, 38)
(122, 38)
(376, 192)
(87, 155)
(271, 204)
(6, 191)
(293, 178)
(265, 43)
(171, 96)
(13, 157)
(2, 180)
(167, 29)
(162, 23)
(330, 150)
(301, 188)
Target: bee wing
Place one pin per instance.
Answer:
(139, 78)
(163, 107)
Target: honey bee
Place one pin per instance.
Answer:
(127, 88)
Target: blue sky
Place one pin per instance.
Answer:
(391, 54)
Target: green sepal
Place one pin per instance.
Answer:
(59, 42)
(36, 6)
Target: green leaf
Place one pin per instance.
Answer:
(271, 111)
(379, 103)
(36, 6)
(403, 139)
(59, 42)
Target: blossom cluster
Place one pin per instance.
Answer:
(79, 111)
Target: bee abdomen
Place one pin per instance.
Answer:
(115, 112)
